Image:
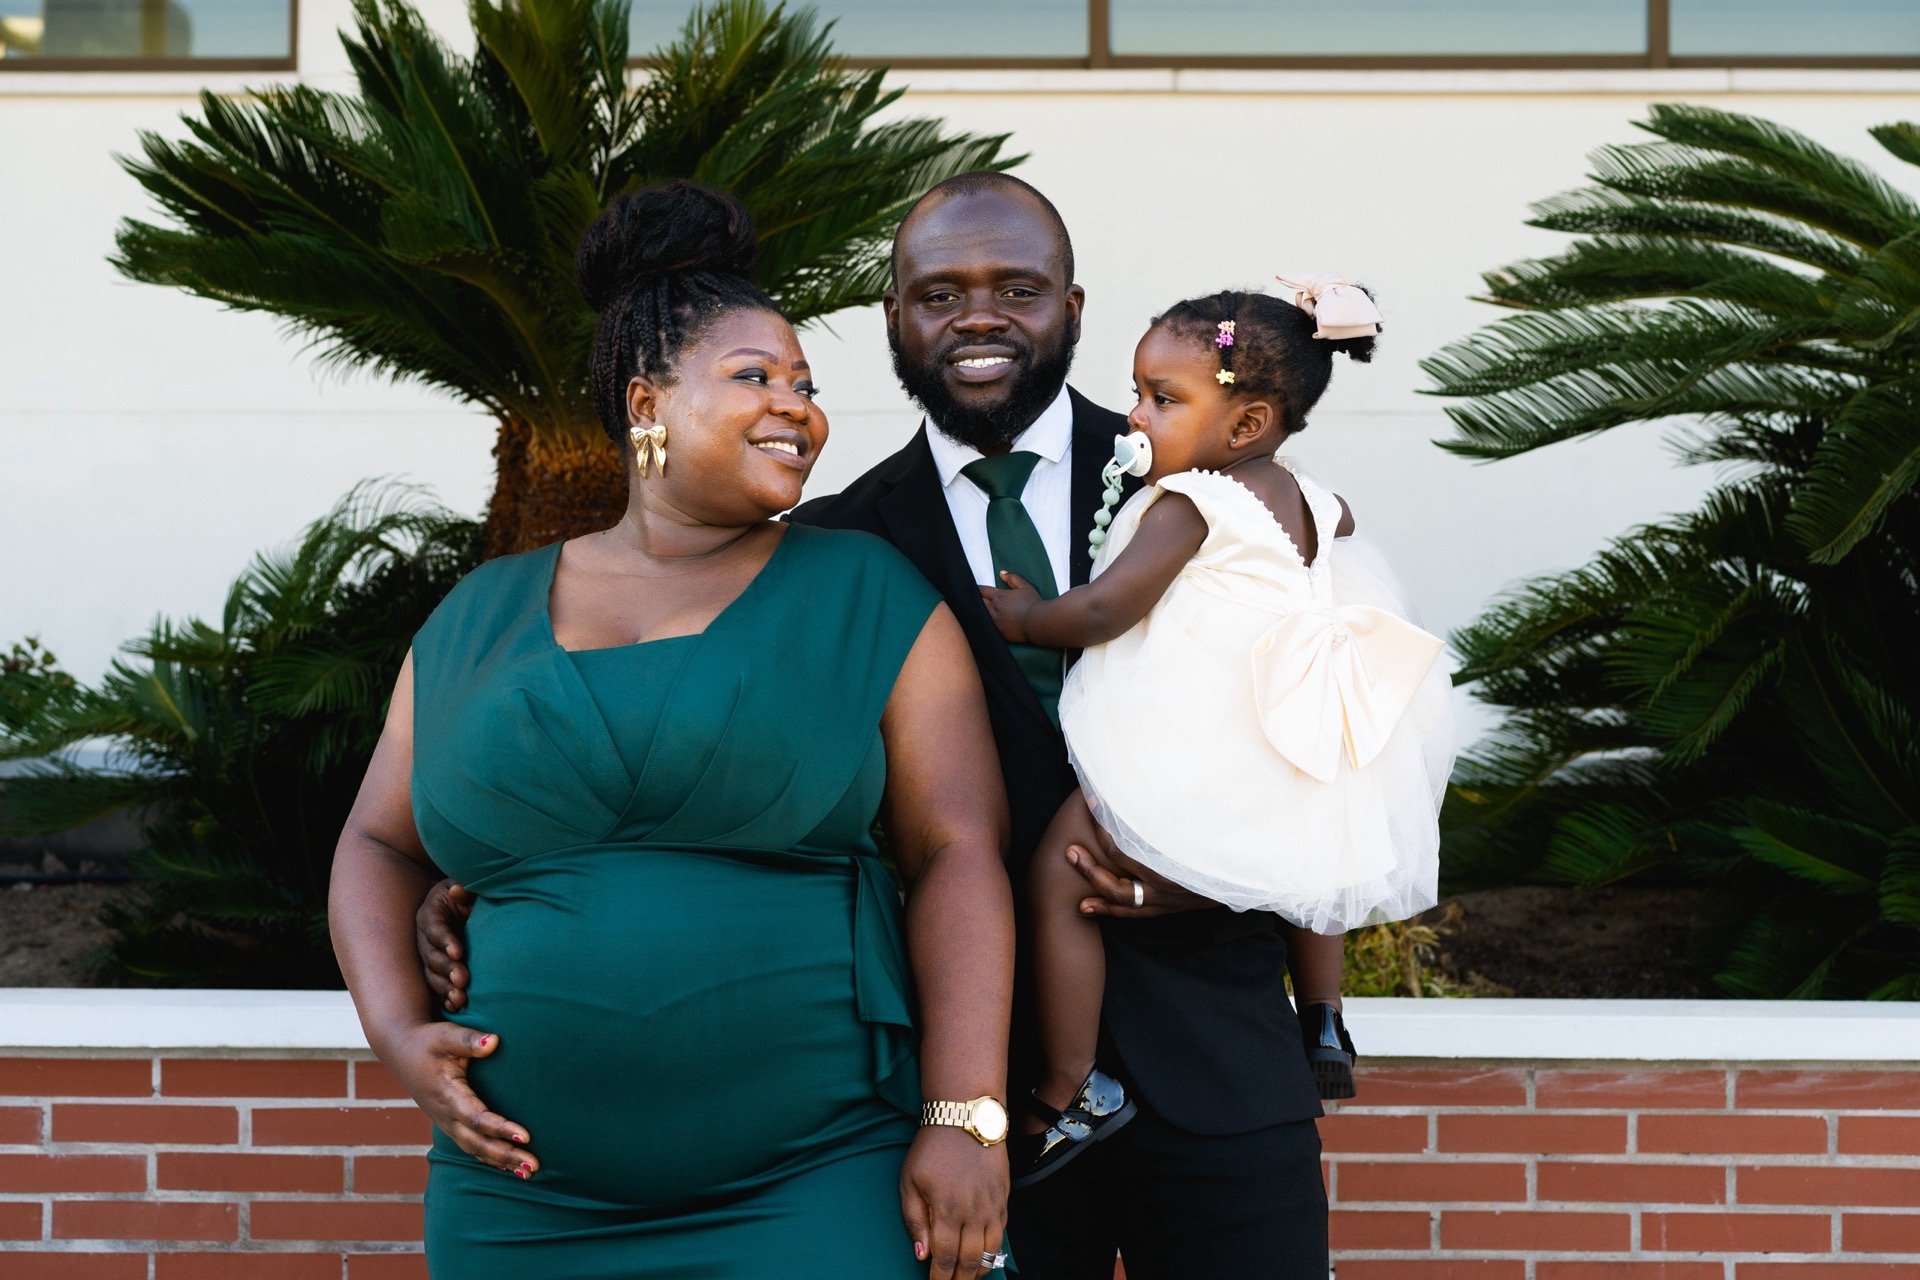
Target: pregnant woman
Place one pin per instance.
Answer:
(655, 754)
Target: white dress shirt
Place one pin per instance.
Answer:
(1048, 496)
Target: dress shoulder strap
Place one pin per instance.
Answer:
(1237, 518)
(1223, 501)
(498, 599)
(1322, 503)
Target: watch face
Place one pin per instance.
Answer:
(989, 1120)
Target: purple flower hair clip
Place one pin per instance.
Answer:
(1225, 337)
(1224, 341)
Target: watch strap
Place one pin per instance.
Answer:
(957, 1114)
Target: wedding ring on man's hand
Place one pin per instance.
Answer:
(1139, 894)
(992, 1261)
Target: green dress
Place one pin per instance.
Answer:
(683, 936)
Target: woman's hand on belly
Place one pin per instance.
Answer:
(430, 1060)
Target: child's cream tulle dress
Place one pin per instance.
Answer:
(1273, 735)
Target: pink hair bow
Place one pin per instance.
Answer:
(1342, 307)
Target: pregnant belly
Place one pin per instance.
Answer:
(671, 1025)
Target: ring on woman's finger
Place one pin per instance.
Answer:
(992, 1261)
(1139, 893)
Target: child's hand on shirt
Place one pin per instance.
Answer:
(1008, 606)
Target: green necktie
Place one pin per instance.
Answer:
(1017, 548)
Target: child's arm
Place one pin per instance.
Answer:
(1169, 535)
(1346, 526)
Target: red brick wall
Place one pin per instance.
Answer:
(194, 1168)
(1682, 1173)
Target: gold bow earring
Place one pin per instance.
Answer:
(649, 447)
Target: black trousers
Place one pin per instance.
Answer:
(1178, 1206)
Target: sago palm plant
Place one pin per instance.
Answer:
(1729, 696)
(240, 744)
(424, 226)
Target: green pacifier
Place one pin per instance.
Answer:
(1132, 456)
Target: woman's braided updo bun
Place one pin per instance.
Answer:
(659, 266)
(1275, 355)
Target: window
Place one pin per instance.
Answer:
(1362, 28)
(90, 34)
(1354, 33)
(914, 30)
(1795, 28)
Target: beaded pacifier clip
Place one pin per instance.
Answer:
(1132, 456)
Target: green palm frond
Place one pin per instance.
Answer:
(1818, 171)
(1602, 842)
(1670, 224)
(423, 227)
(1868, 461)
(1652, 266)
(1722, 158)
(53, 795)
(1725, 696)
(1849, 739)
(1701, 709)
(1899, 886)
(1838, 855)
(1596, 398)
(1537, 346)
(1790, 950)
(752, 100)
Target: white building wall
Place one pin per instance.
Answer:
(150, 443)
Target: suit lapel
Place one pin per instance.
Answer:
(919, 523)
(914, 512)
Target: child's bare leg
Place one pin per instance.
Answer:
(1069, 962)
(1315, 961)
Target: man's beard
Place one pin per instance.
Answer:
(1036, 383)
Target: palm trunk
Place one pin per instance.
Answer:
(546, 488)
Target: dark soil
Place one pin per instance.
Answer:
(1616, 944)
(47, 930)
(1523, 941)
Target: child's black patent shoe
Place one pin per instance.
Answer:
(1329, 1050)
(1098, 1110)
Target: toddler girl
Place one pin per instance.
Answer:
(1254, 718)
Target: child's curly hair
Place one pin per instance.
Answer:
(1275, 355)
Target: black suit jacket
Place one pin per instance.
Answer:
(1196, 1008)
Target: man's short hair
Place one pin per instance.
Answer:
(976, 182)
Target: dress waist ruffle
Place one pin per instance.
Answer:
(883, 985)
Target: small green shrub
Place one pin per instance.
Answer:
(241, 743)
(1401, 959)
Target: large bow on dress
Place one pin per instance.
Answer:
(1329, 682)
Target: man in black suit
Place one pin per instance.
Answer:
(1219, 1174)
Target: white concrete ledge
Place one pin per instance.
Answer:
(80, 1018)
(39, 1019)
(1639, 1030)
(136, 84)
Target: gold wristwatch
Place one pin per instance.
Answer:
(984, 1118)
